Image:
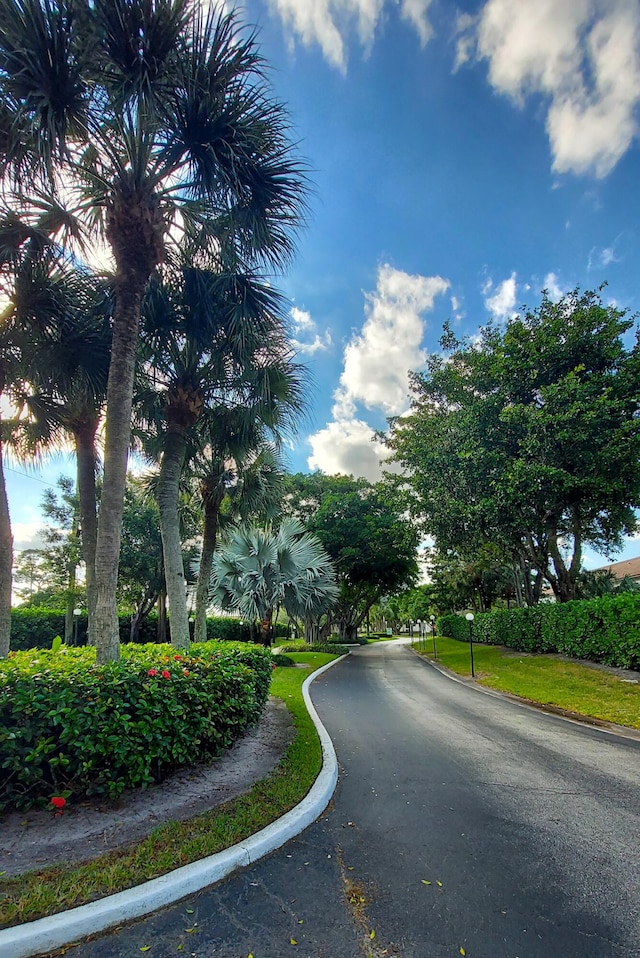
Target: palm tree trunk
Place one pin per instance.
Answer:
(86, 459)
(71, 600)
(104, 632)
(209, 536)
(135, 230)
(6, 565)
(161, 632)
(168, 492)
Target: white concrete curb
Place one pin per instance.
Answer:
(45, 934)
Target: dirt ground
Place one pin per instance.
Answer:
(38, 838)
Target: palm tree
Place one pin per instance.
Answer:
(259, 570)
(66, 374)
(154, 118)
(213, 341)
(240, 479)
(35, 296)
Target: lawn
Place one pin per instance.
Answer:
(38, 894)
(550, 680)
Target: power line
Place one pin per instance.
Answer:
(25, 475)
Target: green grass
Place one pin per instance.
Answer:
(42, 893)
(550, 680)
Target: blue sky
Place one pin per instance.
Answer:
(463, 157)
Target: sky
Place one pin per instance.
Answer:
(463, 157)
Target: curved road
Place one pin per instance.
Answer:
(463, 823)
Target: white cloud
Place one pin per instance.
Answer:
(553, 287)
(301, 320)
(347, 447)
(378, 358)
(26, 535)
(466, 26)
(304, 327)
(601, 258)
(458, 311)
(328, 22)
(502, 303)
(415, 12)
(377, 361)
(583, 56)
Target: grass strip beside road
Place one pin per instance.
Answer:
(42, 893)
(546, 679)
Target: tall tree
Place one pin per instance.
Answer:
(214, 342)
(32, 293)
(364, 531)
(159, 119)
(66, 366)
(529, 438)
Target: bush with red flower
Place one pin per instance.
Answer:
(72, 729)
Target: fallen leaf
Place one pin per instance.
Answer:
(190, 931)
(439, 883)
(301, 921)
(462, 951)
(424, 881)
(372, 934)
(292, 941)
(146, 948)
(180, 947)
(189, 911)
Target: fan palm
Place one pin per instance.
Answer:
(153, 118)
(259, 570)
(240, 478)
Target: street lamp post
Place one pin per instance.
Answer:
(433, 634)
(470, 617)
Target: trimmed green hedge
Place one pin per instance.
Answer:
(72, 729)
(300, 645)
(605, 630)
(35, 628)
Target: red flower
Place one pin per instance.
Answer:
(165, 674)
(177, 657)
(58, 801)
(273, 666)
(185, 672)
(152, 672)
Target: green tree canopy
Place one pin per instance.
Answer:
(529, 437)
(363, 529)
(152, 118)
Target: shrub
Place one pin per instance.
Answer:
(283, 660)
(35, 628)
(69, 727)
(301, 646)
(606, 629)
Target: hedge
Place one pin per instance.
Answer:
(605, 630)
(36, 628)
(71, 729)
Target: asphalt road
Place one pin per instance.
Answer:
(463, 824)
